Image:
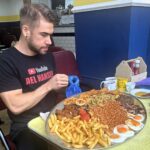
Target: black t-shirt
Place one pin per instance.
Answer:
(19, 71)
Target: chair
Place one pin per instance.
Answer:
(55, 49)
(65, 63)
(10, 143)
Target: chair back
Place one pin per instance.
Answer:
(65, 62)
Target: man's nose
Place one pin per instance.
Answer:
(48, 41)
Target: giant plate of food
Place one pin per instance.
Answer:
(96, 119)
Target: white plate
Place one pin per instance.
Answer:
(135, 91)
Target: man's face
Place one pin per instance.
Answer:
(39, 39)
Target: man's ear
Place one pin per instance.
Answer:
(26, 30)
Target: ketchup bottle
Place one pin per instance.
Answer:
(132, 66)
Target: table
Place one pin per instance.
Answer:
(140, 142)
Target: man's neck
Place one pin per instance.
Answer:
(21, 46)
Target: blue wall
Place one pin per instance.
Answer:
(106, 37)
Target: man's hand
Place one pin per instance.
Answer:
(58, 81)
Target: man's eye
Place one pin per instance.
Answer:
(44, 34)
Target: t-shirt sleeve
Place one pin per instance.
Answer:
(8, 76)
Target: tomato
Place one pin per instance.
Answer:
(82, 111)
(84, 115)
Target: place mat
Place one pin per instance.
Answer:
(140, 142)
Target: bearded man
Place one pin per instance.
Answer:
(27, 75)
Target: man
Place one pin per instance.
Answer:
(27, 80)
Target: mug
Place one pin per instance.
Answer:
(109, 84)
(111, 78)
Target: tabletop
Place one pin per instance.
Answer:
(140, 142)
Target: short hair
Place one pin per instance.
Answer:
(32, 13)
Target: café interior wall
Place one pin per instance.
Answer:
(9, 10)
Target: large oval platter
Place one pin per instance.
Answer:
(131, 104)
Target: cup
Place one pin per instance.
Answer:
(121, 83)
(130, 86)
(109, 84)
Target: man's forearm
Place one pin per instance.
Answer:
(18, 102)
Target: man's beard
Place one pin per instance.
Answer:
(33, 47)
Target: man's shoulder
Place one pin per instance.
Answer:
(8, 55)
(7, 52)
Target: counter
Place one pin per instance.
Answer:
(91, 5)
(109, 32)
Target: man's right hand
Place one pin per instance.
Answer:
(58, 81)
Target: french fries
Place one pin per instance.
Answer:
(79, 133)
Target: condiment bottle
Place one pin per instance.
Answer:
(137, 67)
(132, 65)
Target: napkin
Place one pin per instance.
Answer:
(143, 83)
(73, 87)
(44, 115)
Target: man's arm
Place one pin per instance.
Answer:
(18, 102)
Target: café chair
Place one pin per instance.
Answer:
(55, 49)
(65, 63)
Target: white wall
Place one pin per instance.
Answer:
(47, 2)
(10, 7)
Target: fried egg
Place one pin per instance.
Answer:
(134, 125)
(123, 130)
(116, 138)
(139, 117)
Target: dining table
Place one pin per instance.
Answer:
(140, 141)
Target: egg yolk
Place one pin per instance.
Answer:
(137, 117)
(135, 123)
(122, 129)
(115, 136)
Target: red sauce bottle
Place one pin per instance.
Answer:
(132, 66)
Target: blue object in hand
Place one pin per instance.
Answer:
(73, 87)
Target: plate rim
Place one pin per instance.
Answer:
(134, 91)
